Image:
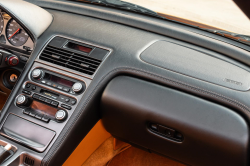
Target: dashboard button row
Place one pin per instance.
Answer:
(26, 92)
(37, 89)
(66, 106)
(51, 102)
(43, 99)
(37, 116)
(56, 86)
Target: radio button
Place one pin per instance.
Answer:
(27, 92)
(32, 114)
(27, 86)
(54, 103)
(45, 118)
(43, 81)
(59, 87)
(35, 96)
(33, 88)
(73, 102)
(47, 101)
(49, 83)
(26, 112)
(66, 100)
(71, 92)
(54, 85)
(41, 98)
(66, 106)
(66, 89)
(38, 116)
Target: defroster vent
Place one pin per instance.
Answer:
(71, 60)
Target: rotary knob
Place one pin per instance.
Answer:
(77, 87)
(22, 100)
(37, 73)
(13, 78)
(12, 60)
(61, 115)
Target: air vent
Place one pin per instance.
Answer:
(28, 161)
(71, 60)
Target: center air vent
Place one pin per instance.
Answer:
(72, 60)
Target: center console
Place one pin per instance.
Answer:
(49, 94)
(45, 104)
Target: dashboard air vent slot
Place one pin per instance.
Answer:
(28, 161)
(71, 60)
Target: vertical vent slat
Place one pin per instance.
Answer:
(29, 161)
(71, 60)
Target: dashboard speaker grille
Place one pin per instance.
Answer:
(71, 60)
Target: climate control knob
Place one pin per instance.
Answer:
(22, 100)
(61, 115)
(77, 87)
(37, 73)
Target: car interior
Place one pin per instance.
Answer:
(111, 83)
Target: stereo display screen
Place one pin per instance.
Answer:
(58, 80)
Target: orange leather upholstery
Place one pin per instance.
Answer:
(88, 145)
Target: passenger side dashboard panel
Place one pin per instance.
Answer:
(210, 132)
(197, 64)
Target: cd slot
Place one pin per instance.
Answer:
(49, 94)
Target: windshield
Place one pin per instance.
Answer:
(221, 14)
(222, 17)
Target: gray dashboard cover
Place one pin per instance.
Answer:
(196, 64)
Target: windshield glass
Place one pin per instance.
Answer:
(222, 17)
(220, 14)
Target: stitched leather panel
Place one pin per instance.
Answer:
(196, 64)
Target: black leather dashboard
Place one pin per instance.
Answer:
(128, 35)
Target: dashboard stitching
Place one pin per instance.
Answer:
(170, 81)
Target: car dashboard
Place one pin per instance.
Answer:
(165, 87)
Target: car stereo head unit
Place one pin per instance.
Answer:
(43, 104)
(57, 81)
